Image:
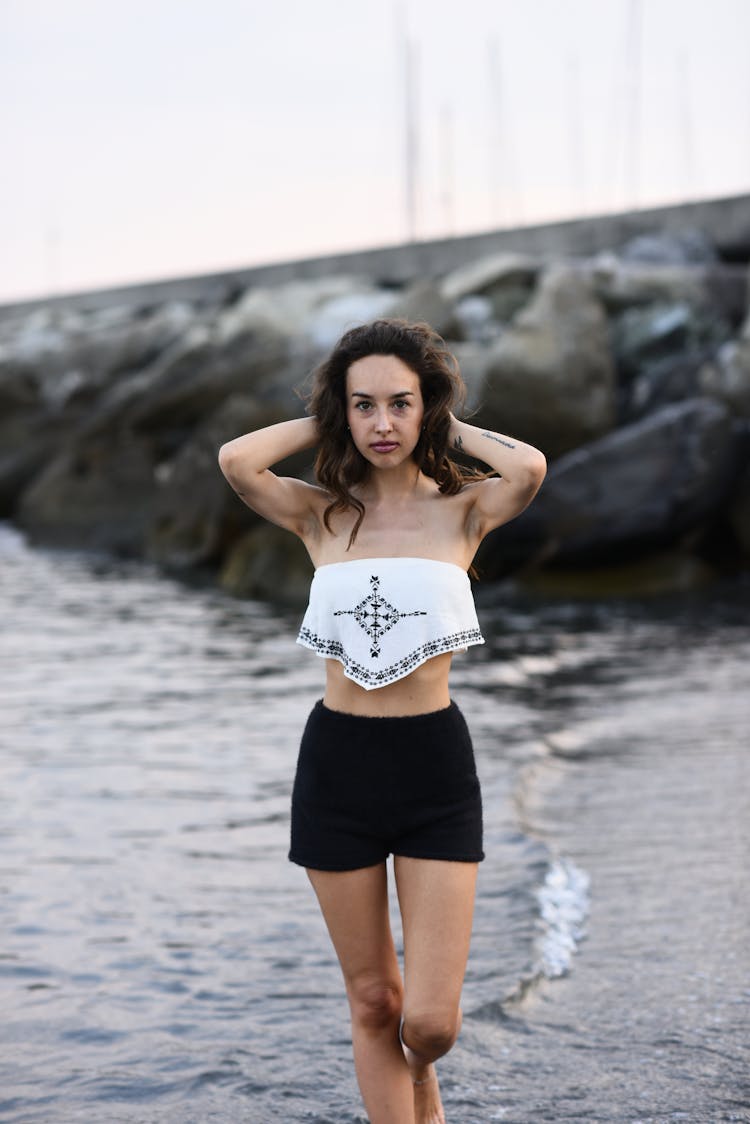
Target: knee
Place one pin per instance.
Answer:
(430, 1034)
(375, 1003)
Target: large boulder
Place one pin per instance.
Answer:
(69, 354)
(727, 376)
(669, 378)
(328, 323)
(642, 335)
(492, 276)
(317, 311)
(55, 367)
(196, 516)
(660, 350)
(474, 362)
(739, 510)
(550, 377)
(717, 289)
(168, 399)
(268, 563)
(29, 441)
(670, 247)
(98, 494)
(640, 489)
(423, 301)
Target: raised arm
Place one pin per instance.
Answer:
(522, 469)
(246, 463)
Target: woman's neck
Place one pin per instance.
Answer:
(391, 485)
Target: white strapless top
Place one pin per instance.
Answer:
(382, 617)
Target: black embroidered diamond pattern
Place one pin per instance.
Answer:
(376, 615)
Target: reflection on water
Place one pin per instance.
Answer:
(160, 958)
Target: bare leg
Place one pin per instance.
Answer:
(437, 906)
(355, 908)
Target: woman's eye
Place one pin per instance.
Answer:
(401, 404)
(362, 406)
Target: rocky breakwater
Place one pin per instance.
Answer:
(631, 370)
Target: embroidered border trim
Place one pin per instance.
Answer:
(333, 649)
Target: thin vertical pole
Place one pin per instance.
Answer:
(447, 171)
(685, 109)
(410, 136)
(633, 127)
(575, 137)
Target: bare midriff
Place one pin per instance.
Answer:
(421, 692)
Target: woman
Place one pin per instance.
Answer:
(386, 764)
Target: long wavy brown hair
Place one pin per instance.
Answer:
(339, 466)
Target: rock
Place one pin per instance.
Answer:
(659, 350)
(489, 276)
(327, 324)
(671, 378)
(168, 399)
(423, 301)
(640, 334)
(28, 442)
(727, 375)
(473, 361)
(287, 310)
(18, 385)
(96, 495)
(622, 284)
(670, 247)
(550, 377)
(197, 517)
(69, 353)
(726, 290)
(488, 294)
(640, 489)
(474, 321)
(268, 563)
(712, 290)
(739, 510)
(55, 366)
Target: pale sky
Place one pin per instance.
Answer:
(160, 138)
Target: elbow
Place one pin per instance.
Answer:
(532, 478)
(229, 463)
(536, 471)
(539, 468)
(226, 458)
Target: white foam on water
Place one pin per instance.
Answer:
(564, 907)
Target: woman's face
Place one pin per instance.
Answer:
(384, 409)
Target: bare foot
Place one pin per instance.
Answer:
(428, 1107)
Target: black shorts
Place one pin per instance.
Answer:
(369, 787)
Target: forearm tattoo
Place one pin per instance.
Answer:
(500, 441)
(458, 443)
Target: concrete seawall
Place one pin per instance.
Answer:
(726, 222)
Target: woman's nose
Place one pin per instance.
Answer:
(383, 422)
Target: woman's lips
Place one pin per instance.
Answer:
(384, 446)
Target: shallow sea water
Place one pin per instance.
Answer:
(161, 960)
